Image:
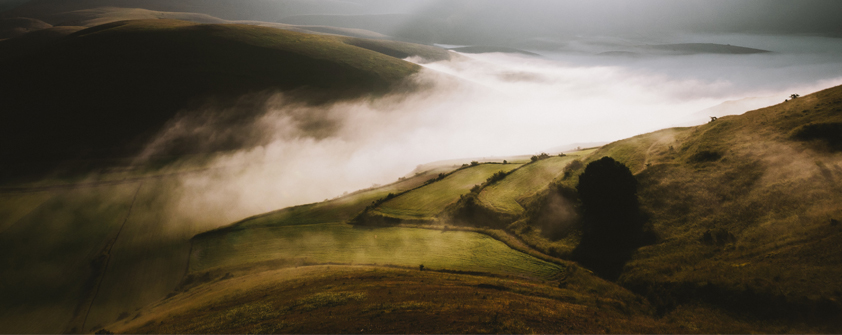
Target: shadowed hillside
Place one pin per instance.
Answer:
(102, 92)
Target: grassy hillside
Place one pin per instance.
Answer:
(264, 10)
(103, 91)
(507, 195)
(746, 209)
(426, 202)
(342, 299)
(335, 210)
(145, 262)
(53, 256)
(346, 244)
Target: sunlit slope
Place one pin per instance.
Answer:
(426, 202)
(506, 196)
(747, 209)
(347, 244)
(100, 92)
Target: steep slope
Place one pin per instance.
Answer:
(746, 209)
(103, 91)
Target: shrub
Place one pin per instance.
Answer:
(476, 189)
(543, 155)
(830, 133)
(572, 167)
(705, 156)
(497, 176)
(474, 163)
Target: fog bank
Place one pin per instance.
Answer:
(474, 106)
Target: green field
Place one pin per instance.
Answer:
(506, 195)
(428, 201)
(336, 210)
(342, 243)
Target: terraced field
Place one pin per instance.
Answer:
(337, 210)
(505, 195)
(342, 243)
(428, 201)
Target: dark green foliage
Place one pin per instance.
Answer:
(440, 177)
(608, 191)
(543, 155)
(574, 166)
(380, 201)
(705, 156)
(497, 176)
(474, 163)
(830, 133)
(612, 219)
(469, 211)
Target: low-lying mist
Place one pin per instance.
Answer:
(472, 106)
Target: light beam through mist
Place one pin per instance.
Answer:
(473, 106)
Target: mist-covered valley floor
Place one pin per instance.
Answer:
(171, 169)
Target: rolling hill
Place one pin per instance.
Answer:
(102, 92)
(13, 27)
(745, 209)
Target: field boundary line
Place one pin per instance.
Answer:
(108, 256)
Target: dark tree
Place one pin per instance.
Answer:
(608, 192)
(611, 213)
